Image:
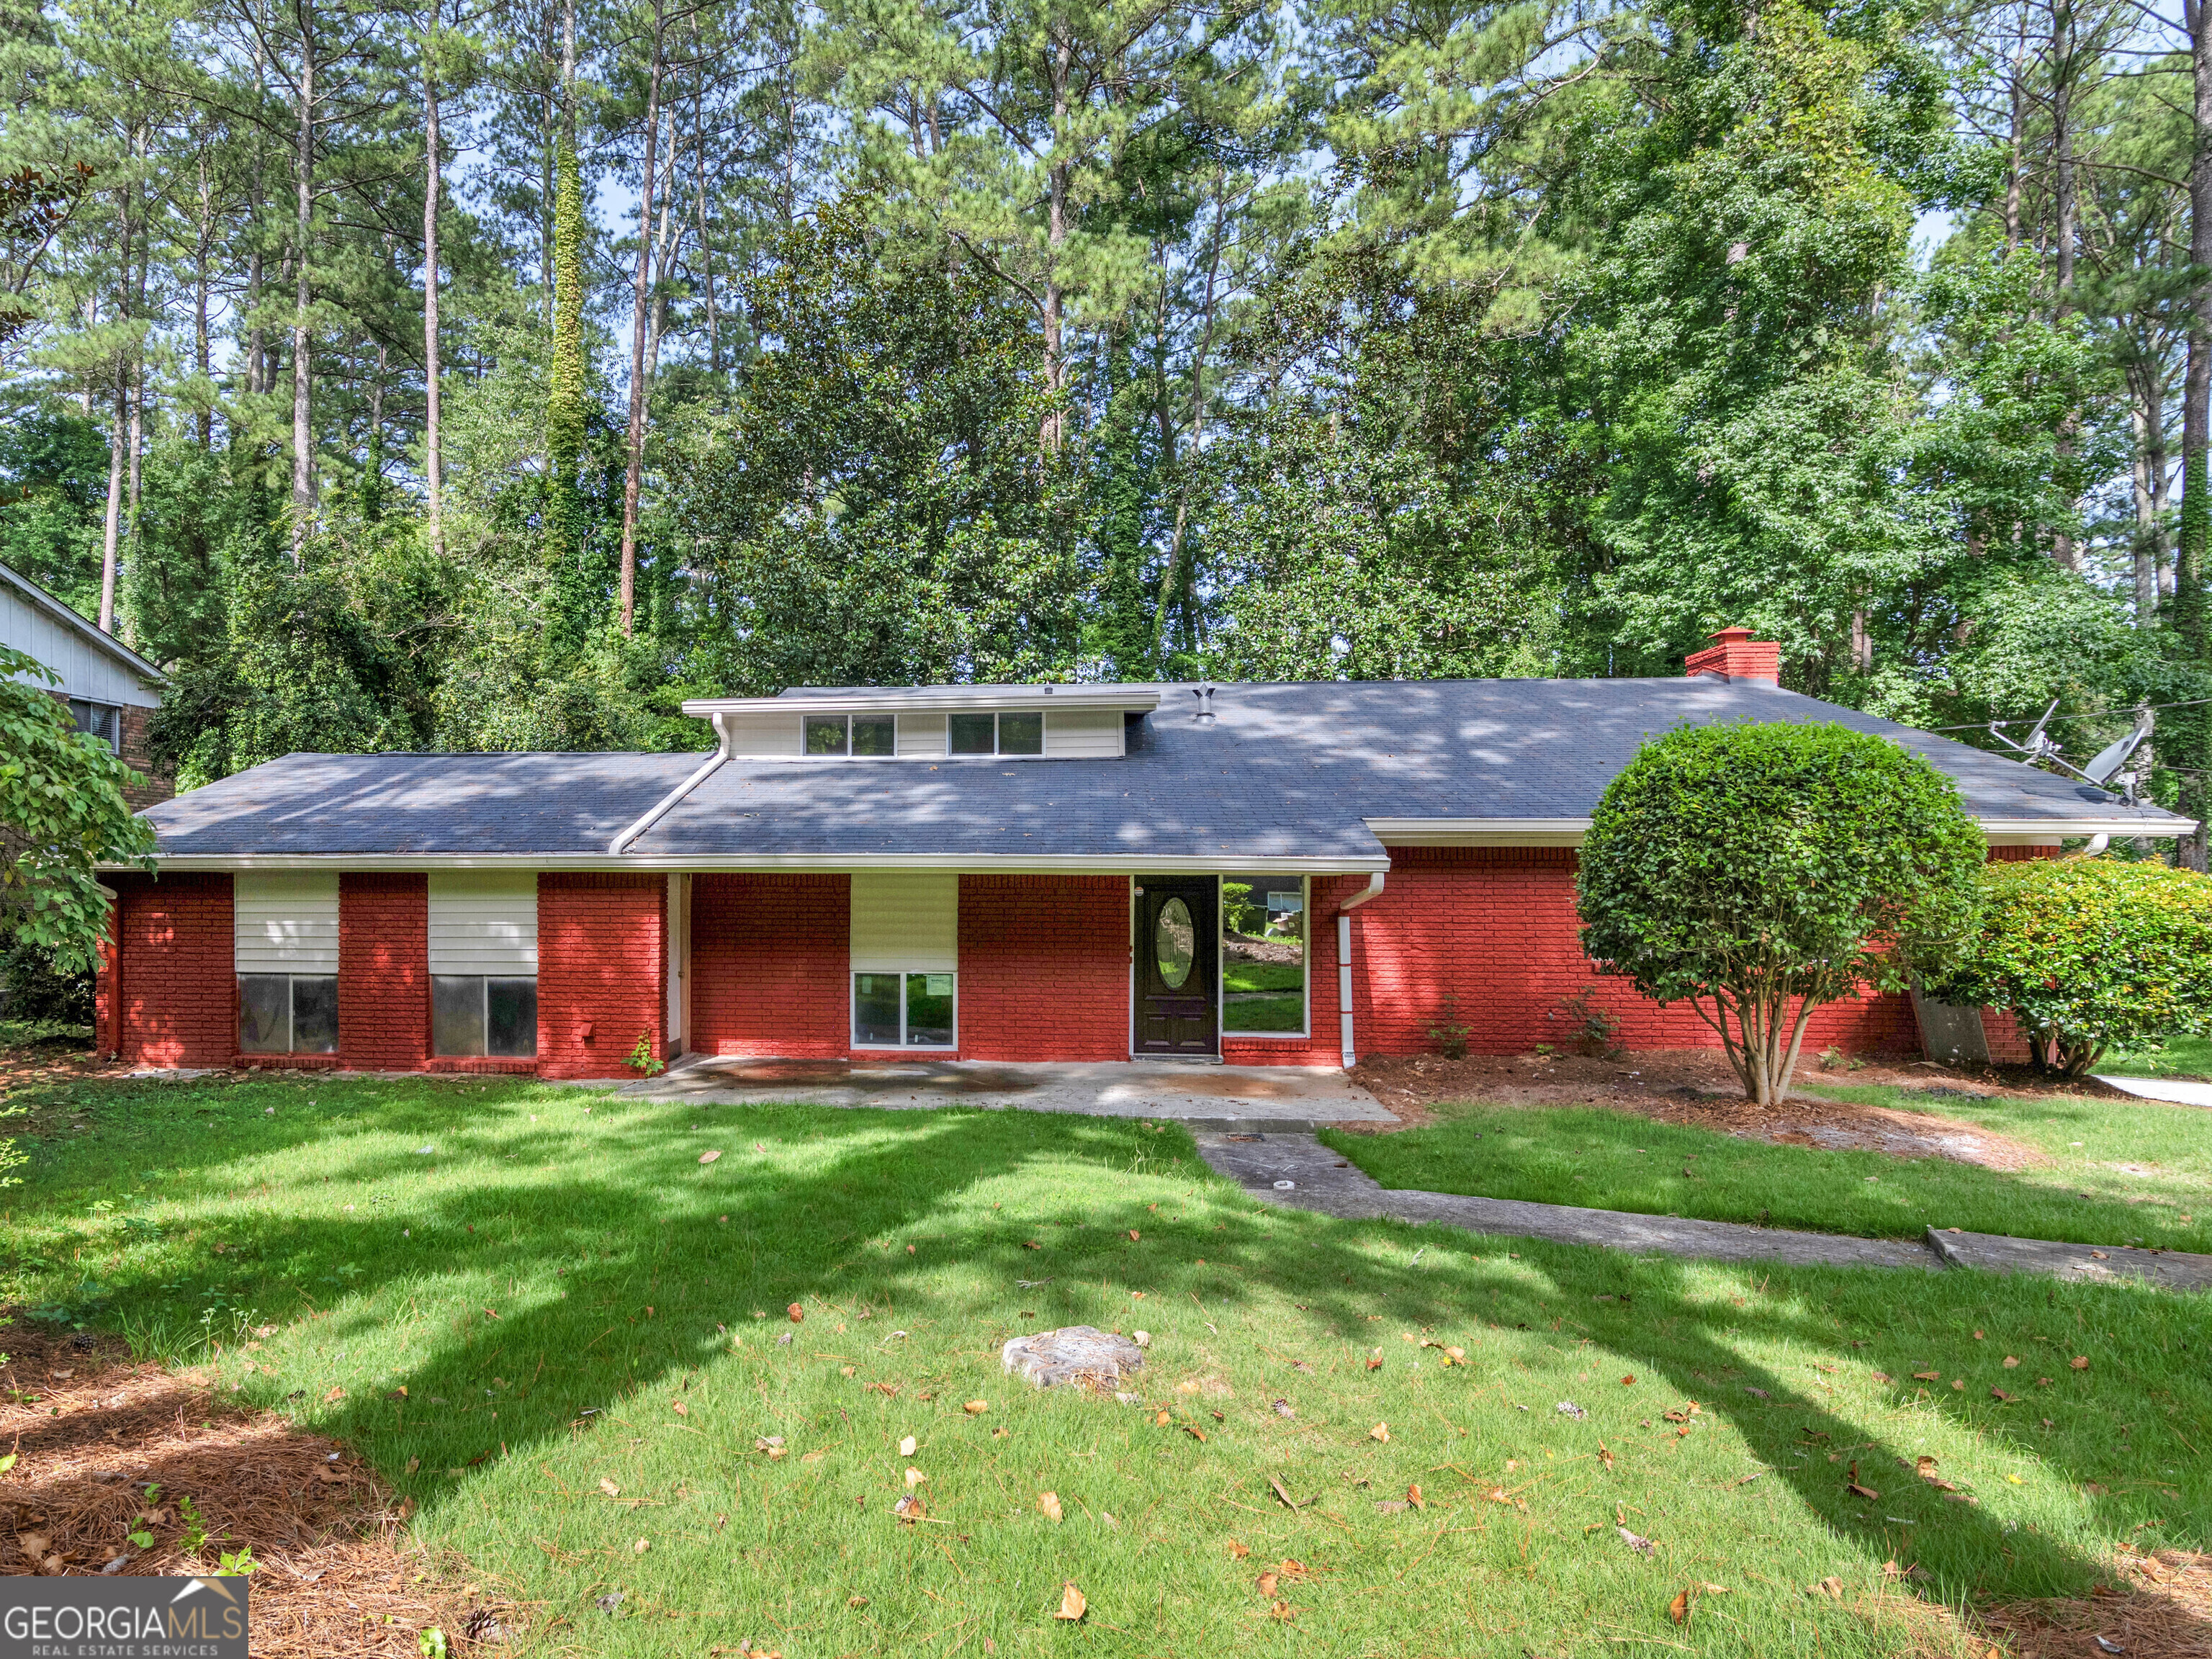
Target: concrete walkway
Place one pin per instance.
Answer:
(1248, 1096)
(2170, 1090)
(1294, 1168)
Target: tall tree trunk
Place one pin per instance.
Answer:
(111, 533)
(706, 246)
(303, 177)
(2017, 136)
(1058, 62)
(2065, 66)
(2148, 483)
(564, 410)
(1171, 577)
(140, 276)
(257, 338)
(433, 184)
(634, 451)
(2196, 419)
(203, 243)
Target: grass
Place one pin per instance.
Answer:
(1264, 1014)
(2189, 1057)
(548, 1274)
(2118, 1171)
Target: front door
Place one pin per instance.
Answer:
(1178, 961)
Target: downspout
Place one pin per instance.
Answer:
(1344, 965)
(661, 808)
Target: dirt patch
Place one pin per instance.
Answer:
(1695, 1087)
(2160, 1608)
(91, 1430)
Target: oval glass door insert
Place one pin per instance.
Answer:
(1175, 943)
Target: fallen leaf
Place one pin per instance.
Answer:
(1283, 1408)
(33, 1544)
(1413, 1497)
(708, 1158)
(1133, 1235)
(641, 1547)
(974, 1407)
(2080, 1362)
(915, 1477)
(909, 1446)
(1928, 1376)
(1454, 1355)
(1641, 1545)
(1164, 1419)
(1679, 1608)
(1605, 1457)
(1049, 1502)
(1999, 1395)
(1282, 1610)
(1833, 1588)
(679, 1408)
(2011, 1362)
(770, 1444)
(1071, 1604)
(1193, 1431)
(1866, 1493)
(909, 1508)
(1268, 1581)
(609, 1488)
(1282, 1492)
(1236, 1550)
(1924, 1466)
(796, 1312)
(1380, 1431)
(1629, 1381)
(337, 1395)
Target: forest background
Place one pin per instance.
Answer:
(496, 373)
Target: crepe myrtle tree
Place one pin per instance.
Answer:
(62, 815)
(1757, 871)
(2089, 953)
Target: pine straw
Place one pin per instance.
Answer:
(91, 1429)
(2161, 1608)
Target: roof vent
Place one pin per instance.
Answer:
(1205, 696)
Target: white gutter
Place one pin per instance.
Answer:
(1351, 1054)
(660, 808)
(1087, 864)
(1128, 699)
(1571, 832)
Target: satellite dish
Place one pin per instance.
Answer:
(2113, 756)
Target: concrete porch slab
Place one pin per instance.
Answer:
(1286, 1095)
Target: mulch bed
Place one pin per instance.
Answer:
(336, 1575)
(2160, 1608)
(1695, 1087)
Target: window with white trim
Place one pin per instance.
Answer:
(284, 950)
(1263, 955)
(483, 963)
(905, 959)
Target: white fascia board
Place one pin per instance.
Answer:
(973, 863)
(1128, 699)
(1570, 832)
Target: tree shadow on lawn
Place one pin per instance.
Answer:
(630, 1230)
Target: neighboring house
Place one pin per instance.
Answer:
(110, 691)
(1257, 873)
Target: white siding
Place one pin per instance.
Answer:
(285, 923)
(922, 734)
(1088, 733)
(484, 921)
(906, 921)
(762, 734)
(87, 670)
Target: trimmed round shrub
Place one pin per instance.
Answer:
(1760, 870)
(2089, 954)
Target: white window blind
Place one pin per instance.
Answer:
(906, 921)
(285, 922)
(484, 921)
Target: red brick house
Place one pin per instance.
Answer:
(1260, 874)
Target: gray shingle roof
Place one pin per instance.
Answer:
(1286, 771)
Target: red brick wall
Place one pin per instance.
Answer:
(384, 970)
(168, 994)
(1044, 968)
(602, 971)
(768, 955)
(1494, 929)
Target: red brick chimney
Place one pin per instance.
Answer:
(1734, 655)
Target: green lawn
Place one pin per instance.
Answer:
(547, 1275)
(2121, 1172)
(1264, 1014)
(2176, 1057)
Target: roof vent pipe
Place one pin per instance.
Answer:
(1205, 696)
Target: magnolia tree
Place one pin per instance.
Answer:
(1757, 871)
(62, 814)
(2090, 954)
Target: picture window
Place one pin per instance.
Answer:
(288, 1013)
(904, 1011)
(475, 1014)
